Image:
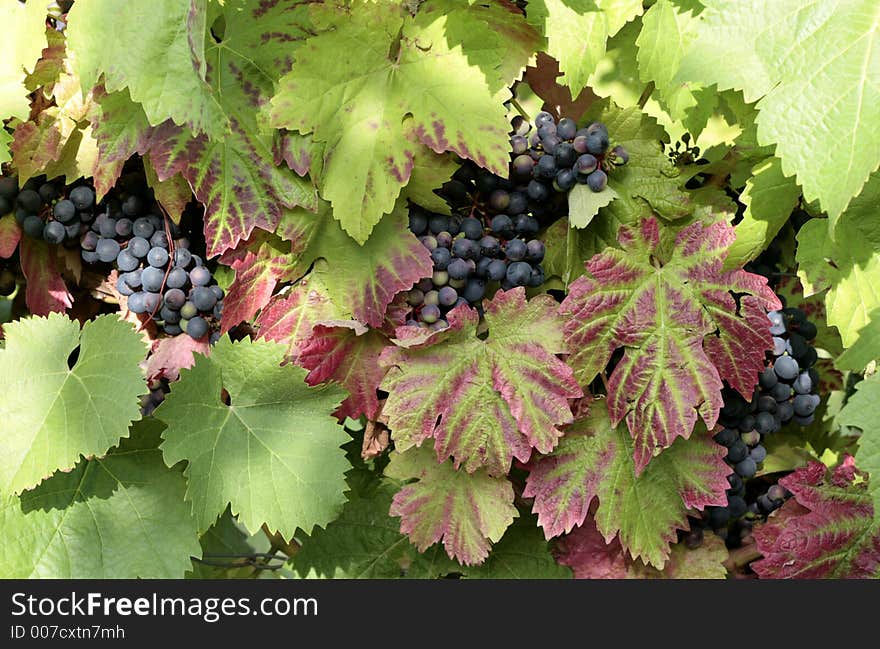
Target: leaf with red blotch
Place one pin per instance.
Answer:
(121, 129)
(483, 402)
(289, 317)
(10, 235)
(589, 557)
(45, 290)
(170, 355)
(595, 460)
(466, 511)
(256, 275)
(666, 300)
(827, 531)
(366, 278)
(347, 352)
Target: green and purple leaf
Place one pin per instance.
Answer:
(827, 531)
(664, 298)
(594, 460)
(288, 318)
(45, 289)
(256, 275)
(10, 235)
(483, 402)
(466, 511)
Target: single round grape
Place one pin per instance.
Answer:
(726, 436)
(64, 211)
(516, 250)
(565, 180)
(472, 228)
(86, 217)
(526, 225)
(169, 315)
(765, 504)
(107, 250)
(597, 180)
(33, 226)
(496, 270)
(123, 227)
(175, 298)
(804, 421)
(764, 423)
(444, 240)
(424, 285)
(177, 278)
(786, 368)
(200, 276)
(785, 411)
(157, 257)
(142, 227)
(122, 287)
(758, 454)
(418, 221)
(482, 269)
(809, 359)
(29, 200)
(126, 262)
(538, 191)
(537, 277)
(597, 138)
(182, 256)
(203, 298)
(502, 225)
(737, 452)
(438, 223)
(776, 493)
(132, 206)
(54, 232)
(474, 290)
(82, 197)
(430, 313)
(490, 246)
(523, 165)
(499, 200)
(197, 327)
(432, 297)
(151, 278)
(188, 311)
(72, 231)
(519, 203)
(767, 379)
(766, 403)
(458, 269)
(803, 384)
(750, 437)
(566, 128)
(519, 144)
(139, 247)
(747, 468)
(546, 168)
(133, 278)
(747, 423)
(447, 296)
(159, 239)
(803, 405)
(466, 249)
(546, 130)
(89, 256)
(565, 155)
(441, 258)
(519, 273)
(535, 251)
(415, 297)
(543, 118)
(429, 241)
(778, 346)
(440, 278)
(137, 302)
(8, 188)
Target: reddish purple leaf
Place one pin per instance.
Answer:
(256, 275)
(46, 291)
(170, 355)
(10, 235)
(483, 401)
(289, 318)
(589, 557)
(667, 302)
(827, 531)
(347, 352)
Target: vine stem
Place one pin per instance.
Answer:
(646, 94)
(520, 110)
(278, 543)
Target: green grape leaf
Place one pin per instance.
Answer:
(595, 460)
(24, 41)
(584, 204)
(815, 66)
(484, 402)
(848, 265)
(357, 105)
(228, 542)
(121, 516)
(577, 32)
(430, 170)
(664, 298)
(164, 73)
(590, 557)
(769, 198)
(862, 410)
(466, 511)
(365, 542)
(257, 450)
(69, 393)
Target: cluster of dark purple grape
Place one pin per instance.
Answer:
(786, 392)
(157, 272)
(557, 156)
(469, 254)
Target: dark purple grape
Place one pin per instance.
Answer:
(441, 258)
(196, 328)
(515, 250)
(430, 313)
(142, 227)
(458, 269)
(586, 164)
(151, 278)
(489, 246)
(566, 128)
(64, 211)
(535, 251)
(502, 225)
(499, 200)
(139, 247)
(597, 180)
(447, 296)
(565, 180)
(200, 276)
(203, 298)
(538, 191)
(472, 228)
(519, 273)
(132, 206)
(177, 278)
(107, 250)
(157, 257)
(175, 298)
(33, 226)
(565, 155)
(126, 262)
(54, 232)
(497, 270)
